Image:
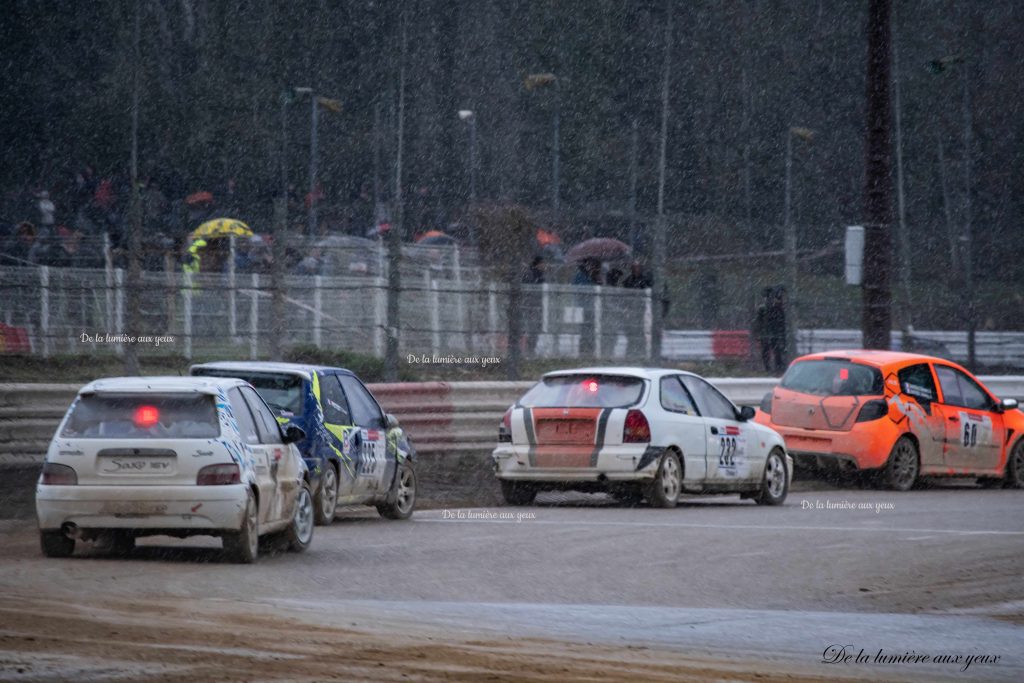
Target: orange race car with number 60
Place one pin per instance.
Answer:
(901, 415)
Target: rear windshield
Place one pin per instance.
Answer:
(282, 392)
(584, 391)
(143, 416)
(833, 378)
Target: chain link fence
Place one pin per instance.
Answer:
(72, 311)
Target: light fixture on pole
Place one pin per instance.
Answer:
(939, 66)
(542, 80)
(316, 102)
(468, 116)
(789, 234)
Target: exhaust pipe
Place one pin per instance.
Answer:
(71, 530)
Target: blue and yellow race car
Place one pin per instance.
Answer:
(356, 454)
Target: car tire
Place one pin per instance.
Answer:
(518, 492)
(1015, 466)
(242, 546)
(667, 486)
(775, 480)
(901, 470)
(326, 500)
(300, 532)
(56, 544)
(401, 501)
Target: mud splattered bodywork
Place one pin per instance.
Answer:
(345, 429)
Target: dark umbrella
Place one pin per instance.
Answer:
(599, 249)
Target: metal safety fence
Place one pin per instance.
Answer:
(70, 311)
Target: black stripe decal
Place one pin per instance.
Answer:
(602, 426)
(530, 438)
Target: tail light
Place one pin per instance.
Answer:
(637, 429)
(58, 475)
(505, 428)
(873, 410)
(219, 475)
(766, 404)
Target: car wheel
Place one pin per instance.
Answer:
(900, 473)
(300, 532)
(326, 500)
(243, 546)
(775, 482)
(56, 544)
(664, 491)
(1015, 467)
(404, 500)
(518, 492)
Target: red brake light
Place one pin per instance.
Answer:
(58, 475)
(590, 385)
(636, 429)
(505, 428)
(219, 475)
(844, 373)
(146, 416)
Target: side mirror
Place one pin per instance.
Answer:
(1007, 404)
(391, 421)
(294, 433)
(746, 413)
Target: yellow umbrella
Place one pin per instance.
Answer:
(222, 227)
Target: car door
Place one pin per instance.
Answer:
(373, 472)
(974, 431)
(281, 466)
(260, 453)
(918, 403)
(341, 430)
(684, 426)
(730, 454)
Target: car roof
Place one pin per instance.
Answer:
(299, 369)
(172, 384)
(878, 358)
(642, 373)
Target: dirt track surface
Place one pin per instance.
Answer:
(161, 641)
(717, 589)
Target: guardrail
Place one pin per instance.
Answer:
(444, 419)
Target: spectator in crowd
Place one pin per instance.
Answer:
(770, 329)
(23, 247)
(532, 306)
(637, 278)
(636, 340)
(588, 272)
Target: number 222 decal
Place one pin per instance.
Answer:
(730, 445)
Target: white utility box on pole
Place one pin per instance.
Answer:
(854, 254)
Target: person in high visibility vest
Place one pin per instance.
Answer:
(192, 263)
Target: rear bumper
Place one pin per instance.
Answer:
(865, 446)
(622, 463)
(141, 507)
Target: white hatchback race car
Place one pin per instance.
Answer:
(177, 456)
(637, 433)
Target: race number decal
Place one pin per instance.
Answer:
(975, 430)
(369, 457)
(732, 452)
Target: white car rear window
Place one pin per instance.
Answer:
(584, 391)
(143, 416)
